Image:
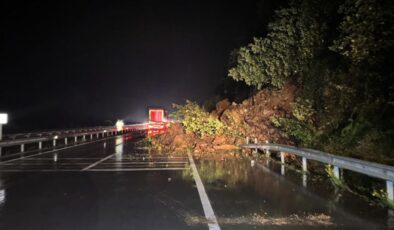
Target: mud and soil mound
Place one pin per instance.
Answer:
(252, 118)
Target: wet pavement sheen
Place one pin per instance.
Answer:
(113, 184)
(50, 191)
(259, 197)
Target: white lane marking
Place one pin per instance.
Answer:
(133, 156)
(97, 162)
(51, 159)
(206, 205)
(43, 164)
(92, 170)
(51, 151)
(144, 162)
(157, 156)
(88, 163)
(135, 169)
(40, 170)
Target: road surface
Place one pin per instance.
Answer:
(114, 184)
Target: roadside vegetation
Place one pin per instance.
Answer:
(339, 54)
(322, 77)
(196, 120)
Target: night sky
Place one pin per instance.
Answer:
(69, 64)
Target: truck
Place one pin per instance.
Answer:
(158, 121)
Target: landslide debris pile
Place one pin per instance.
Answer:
(252, 118)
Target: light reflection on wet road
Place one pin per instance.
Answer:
(112, 184)
(259, 196)
(122, 187)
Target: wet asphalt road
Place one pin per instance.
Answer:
(113, 184)
(109, 184)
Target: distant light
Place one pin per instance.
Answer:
(105, 131)
(56, 137)
(2, 196)
(119, 125)
(3, 118)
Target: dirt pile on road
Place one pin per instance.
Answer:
(252, 118)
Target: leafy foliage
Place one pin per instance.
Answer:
(196, 120)
(300, 125)
(282, 54)
(340, 55)
(365, 30)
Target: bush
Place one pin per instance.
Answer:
(300, 125)
(196, 120)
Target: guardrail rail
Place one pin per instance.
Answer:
(380, 171)
(82, 134)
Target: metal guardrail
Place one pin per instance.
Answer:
(381, 171)
(55, 135)
(54, 132)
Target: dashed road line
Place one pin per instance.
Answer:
(94, 170)
(135, 169)
(98, 162)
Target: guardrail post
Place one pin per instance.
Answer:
(65, 141)
(75, 139)
(267, 152)
(91, 136)
(336, 172)
(256, 149)
(54, 142)
(22, 148)
(304, 165)
(97, 135)
(390, 191)
(83, 138)
(40, 145)
(282, 160)
(282, 157)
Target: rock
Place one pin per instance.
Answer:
(221, 106)
(214, 114)
(219, 140)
